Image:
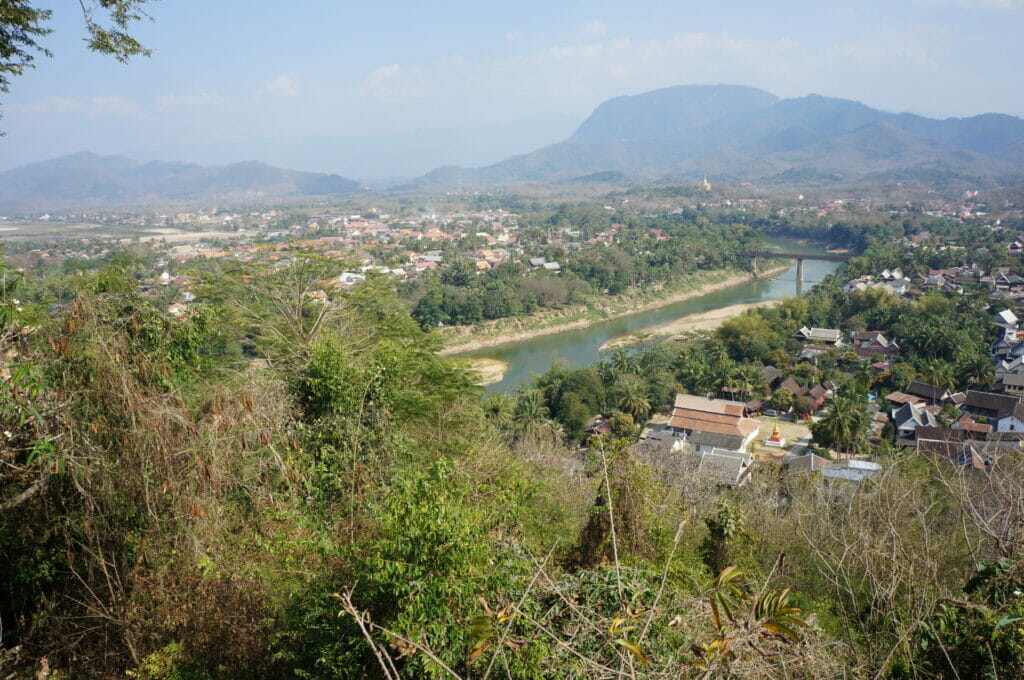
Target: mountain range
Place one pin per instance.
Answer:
(85, 178)
(733, 132)
(373, 159)
(729, 133)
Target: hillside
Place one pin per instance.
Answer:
(86, 178)
(748, 134)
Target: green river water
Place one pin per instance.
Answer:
(580, 347)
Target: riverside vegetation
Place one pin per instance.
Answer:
(277, 487)
(648, 253)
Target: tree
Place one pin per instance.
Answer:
(633, 398)
(781, 400)
(937, 372)
(803, 406)
(22, 25)
(530, 415)
(698, 377)
(845, 425)
(750, 380)
(977, 369)
(864, 375)
(725, 528)
(623, 361)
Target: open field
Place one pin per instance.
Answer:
(21, 230)
(797, 435)
(184, 236)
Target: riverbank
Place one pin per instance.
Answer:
(704, 321)
(490, 371)
(503, 331)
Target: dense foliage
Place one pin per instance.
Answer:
(284, 485)
(647, 252)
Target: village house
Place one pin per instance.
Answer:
(908, 417)
(816, 394)
(677, 461)
(929, 393)
(900, 398)
(827, 336)
(852, 471)
(722, 466)
(808, 462)
(1012, 383)
(707, 424)
(968, 424)
(961, 448)
(1004, 411)
(873, 344)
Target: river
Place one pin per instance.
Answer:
(580, 347)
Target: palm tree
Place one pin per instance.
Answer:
(499, 410)
(845, 425)
(863, 375)
(531, 415)
(623, 361)
(697, 377)
(750, 380)
(937, 372)
(633, 400)
(723, 375)
(978, 370)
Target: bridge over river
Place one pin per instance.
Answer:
(799, 257)
(582, 346)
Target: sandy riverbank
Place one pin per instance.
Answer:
(466, 342)
(704, 321)
(489, 370)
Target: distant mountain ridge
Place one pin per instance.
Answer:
(662, 113)
(86, 178)
(743, 133)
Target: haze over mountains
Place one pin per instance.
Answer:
(370, 159)
(84, 179)
(734, 132)
(728, 132)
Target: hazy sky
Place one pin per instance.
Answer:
(241, 72)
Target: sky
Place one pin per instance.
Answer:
(231, 80)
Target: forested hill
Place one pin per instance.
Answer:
(84, 179)
(732, 133)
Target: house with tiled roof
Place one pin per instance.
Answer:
(871, 344)
(828, 336)
(961, 449)
(908, 417)
(1004, 411)
(707, 424)
(929, 393)
(676, 461)
(1012, 383)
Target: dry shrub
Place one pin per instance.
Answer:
(164, 504)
